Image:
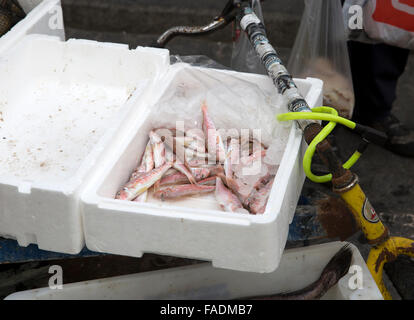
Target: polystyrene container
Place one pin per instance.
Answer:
(42, 17)
(197, 227)
(298, 268)
(60, 104)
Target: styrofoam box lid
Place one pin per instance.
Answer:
(65, 99)
(61, 102)
(298, 268)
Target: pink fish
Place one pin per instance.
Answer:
(192, 143)
(232, 157)
(200, 173)
(258, 200)
(262, 181)
(158, 150)
(172, 192)
(170, 172)
(196, 162)
(241, 190)
(213, 139)
(193, 154)
(134, 188)
(257, 155)
(147, 164)
(176, 178)
(211, 181)
(183, 169)
(227, 200)
(215, 170)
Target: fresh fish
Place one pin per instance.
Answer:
(183, 169)
(173, 192)
(245, 145)
(158, 150)
(255, 145)
(142, 197)
(211, 181)
(196, 134)
(148, 160)
(186, 155)
(227, 200)
(210, 132)
(215, 169)
(170, 172)
(147, 164)
(134, 188)
(241, 190)
(180, 178)
(200, 173)
(257, 155)
(176, 178)
(193, 154)
(336, 268)
(192, 143)
(258, 200)
(196, 162)
(232, 158)
(262, 181)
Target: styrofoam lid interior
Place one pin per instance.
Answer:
(58, 99)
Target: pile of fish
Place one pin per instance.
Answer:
(181, 163)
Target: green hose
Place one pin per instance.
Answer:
(325, 114)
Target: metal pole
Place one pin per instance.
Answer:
(283, 81)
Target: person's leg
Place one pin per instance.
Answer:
(376, 70)
(375, 73)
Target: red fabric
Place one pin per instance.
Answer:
(385, 12)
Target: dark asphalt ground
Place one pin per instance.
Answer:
(386, 178)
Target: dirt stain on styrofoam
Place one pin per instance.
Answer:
(48, 131)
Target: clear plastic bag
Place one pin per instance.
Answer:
(232, 100)
(197, 61)
(320, 51)
(244, 57)
(239, 105)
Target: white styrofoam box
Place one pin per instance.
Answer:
(60, 104)
(195, 227)
(43, 17)
(298, 268)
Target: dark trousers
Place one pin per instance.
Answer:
(376, 69)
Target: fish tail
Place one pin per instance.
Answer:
(340, 262)
(335, 269)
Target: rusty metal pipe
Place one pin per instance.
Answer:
(191, 31)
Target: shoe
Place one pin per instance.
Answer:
(400, 138)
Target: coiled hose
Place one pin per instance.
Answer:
(323, 114)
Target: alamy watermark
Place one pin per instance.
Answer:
(56, 280)
(356, 281)
(356, 17)
(56, 18)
